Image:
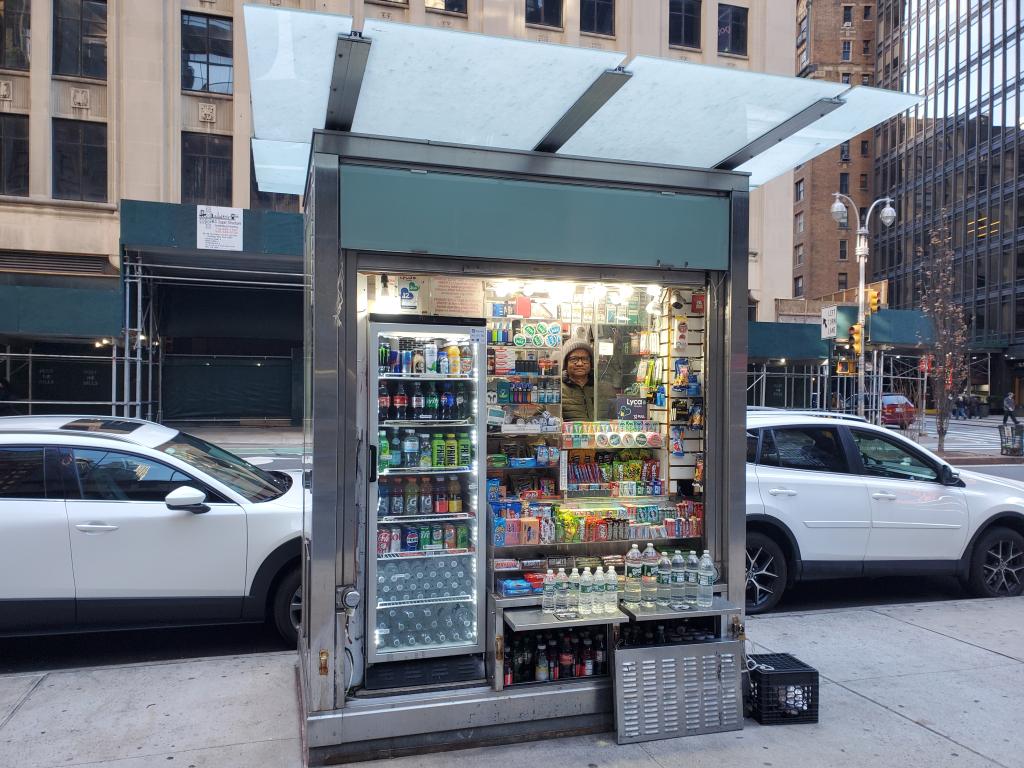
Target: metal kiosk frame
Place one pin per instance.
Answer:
(353, 183)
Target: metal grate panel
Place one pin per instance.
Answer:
(678, 690)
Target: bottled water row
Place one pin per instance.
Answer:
(425, 625)
(437, 578)
(585, 593)
(678, 583)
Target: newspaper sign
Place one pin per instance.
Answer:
(218, 229)
(828, 322)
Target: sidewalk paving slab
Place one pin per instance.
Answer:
(14, 689)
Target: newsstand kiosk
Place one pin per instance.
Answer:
(521, 361)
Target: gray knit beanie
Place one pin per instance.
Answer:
(571, 347)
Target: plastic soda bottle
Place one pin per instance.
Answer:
(574, 589)
(677, 598)
(547, 604)
(611, 590)
(561, 590)
(586, 592)
(705, 580)
(451, 450)
(664, 594)
(649, 583)
(691, 579)
(634, 574)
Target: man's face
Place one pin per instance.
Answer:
(578, 364)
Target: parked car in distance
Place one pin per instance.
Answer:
(109, 522)
(833, 496)
(897, 411)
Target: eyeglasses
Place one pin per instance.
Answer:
(583, 359)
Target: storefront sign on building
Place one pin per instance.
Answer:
(218, 229)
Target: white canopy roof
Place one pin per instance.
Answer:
(464, 88)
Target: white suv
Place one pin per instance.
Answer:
(110, 522)
(832, 496)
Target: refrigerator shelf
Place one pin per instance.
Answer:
(418, 554)
(426, 471)
(396, 519)
(419, 649)
(425, 377)
(385, 604)
(427, 423)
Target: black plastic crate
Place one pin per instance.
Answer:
(786, 692)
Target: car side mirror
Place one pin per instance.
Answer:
(187, 498)
(947, 476)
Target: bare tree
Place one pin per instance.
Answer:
(950, 369)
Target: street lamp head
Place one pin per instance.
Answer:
(838, 211)
(888, 214)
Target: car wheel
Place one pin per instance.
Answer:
(767, 572)
(286, 608)
(997, 564)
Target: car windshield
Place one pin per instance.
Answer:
(237, 474)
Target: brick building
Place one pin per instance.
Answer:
(835, 41)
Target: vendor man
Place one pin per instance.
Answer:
(578, 382)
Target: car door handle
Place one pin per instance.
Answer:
(884, 496)
(781, 492)
(95, 527)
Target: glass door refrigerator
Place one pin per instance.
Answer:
(427, 499)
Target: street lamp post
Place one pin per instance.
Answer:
(888, 216)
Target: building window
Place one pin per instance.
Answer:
(867, 12)
(847, 50)
(798, 191)
(15, 33)
(798, 255)
(798, 223)
(844, 250)
(80, 38)
(843, 282)
(205, 169)
(14, 155)
(751, 311)
(863, 212)
(865, 47)
(847, 15)
(798, 287)
(732, 30)
(863, 182)
(845, 78)
(865, 148)
(79, 160)
(206, 53)
(801, 35)
(452, 6)
(546, 13)
(844, 183)
(269, 201)
(684, 23)
(844, 152)
(597, 16)
(865, 79)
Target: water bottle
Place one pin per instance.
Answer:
(634, 574)
(561, 591)
(574, 589)
(649, 582)
(598, 591)
(664, 595)
(586, 592)
(691, 579)
(705, 580)
(611, 590)
(677, 594)
(547, 603)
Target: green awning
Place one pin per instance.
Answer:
(792, 341)
(69, 307)
(900, 328)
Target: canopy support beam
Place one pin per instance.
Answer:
(782, 131)
(349, 66)
(595, 97)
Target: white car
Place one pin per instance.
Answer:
(110, 522)
(833, 496)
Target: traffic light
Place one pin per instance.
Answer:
(857, 338)
(874, 300)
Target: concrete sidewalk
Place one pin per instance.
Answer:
(936, 684)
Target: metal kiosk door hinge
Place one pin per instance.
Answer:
(323, 662)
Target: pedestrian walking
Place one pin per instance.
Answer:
(1009, 406)
(960, 410)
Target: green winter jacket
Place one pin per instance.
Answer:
(577, 401)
